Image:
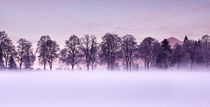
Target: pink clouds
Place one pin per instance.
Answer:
(141, 18)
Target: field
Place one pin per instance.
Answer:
(105, 89)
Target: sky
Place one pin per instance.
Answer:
(60, 19)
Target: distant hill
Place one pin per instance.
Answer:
(173, 41)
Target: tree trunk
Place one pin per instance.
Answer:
(88, 66)
(145, 64)
(127, 65)
(50, 66)
(92, 66)
(20, 65)
(130, 65)
(191, 64)
(44, 65)
(72, 67)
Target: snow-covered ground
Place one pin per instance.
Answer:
(105, 89)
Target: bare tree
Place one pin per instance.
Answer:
(52, 52)
(25, 54)
(110, 48)
(147, 50)
(3, 37)
(128, 47)
(42, 50)
(71, 53)
(9, 50)
(12, 63)
(89, 50)
(205, 41)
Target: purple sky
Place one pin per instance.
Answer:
(61, 18)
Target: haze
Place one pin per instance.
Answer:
(61, 18)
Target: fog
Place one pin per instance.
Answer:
(152, 88)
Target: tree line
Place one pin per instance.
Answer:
(113, 51)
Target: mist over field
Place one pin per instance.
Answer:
(102, 88)
(105, 53)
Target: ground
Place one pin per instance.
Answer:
(104, 89)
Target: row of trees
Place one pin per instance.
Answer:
(113, 51)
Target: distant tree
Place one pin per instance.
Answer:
(12, 64)
(189, 50)
(94, 52)
(205, 42)
(89, 49)
(185, 40)
(52, 52)
(147, 50)
(48, 51)
(3, 37)
(9, 50)
(42, 50)
(70, 55)
(177, 55)
(128, 48)
(110, 50)
(25, 54)
(199, 53)
(164, 56)
(29, 60)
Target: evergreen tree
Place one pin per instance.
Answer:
(164, 58)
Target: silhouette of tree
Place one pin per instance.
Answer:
(9, 50)
(177, 55)
(42, 50)
(12, 64)
(71, 53)
(89, 49)
(147, 50)
(48, 51)
(3, 37)
(205, 42)
(185, 40)
(52, 52)
(189, 50)
(29, 60)
(163, 59)
(128, 47)
(110, 50)
(25, 54)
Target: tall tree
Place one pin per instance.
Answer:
(42, 50)
(52, 52)
(163, 59)
(89, 49)
(190, 52)
(9, 50)
(3, 37)
(147, 50)
(25, 54)
(70, 55)
(128, 47)
(12, 64)
(110, 48)
(205, 42)
(177, 55)
(185, 40)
